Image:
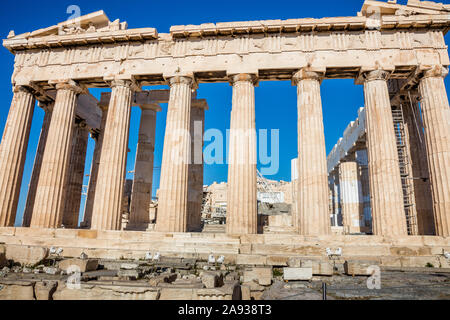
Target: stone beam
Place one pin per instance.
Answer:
(87, 106)
(343, 46)
(150, 97)
(352, 140)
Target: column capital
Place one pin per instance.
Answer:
(127, 83)
(307, 74)
(378, 74)
(187, 79)
(436, 71)
(150, 106)
(68, 84)
(21, 88)
(247, 77)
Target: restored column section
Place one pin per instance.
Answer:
(98, 137)
(13, 150)
(141, 193)
(313, 190)
(75, 178)
(107, 209)
(195, 191)
(351, 197)
(242, 211)
(173, 192)
(26, 221)
(361, 158)
(333, 185)
(385, 185)
(50, 194)
(436, 121)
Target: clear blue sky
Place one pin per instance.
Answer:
(275, 101)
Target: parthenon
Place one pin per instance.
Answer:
(386, 182)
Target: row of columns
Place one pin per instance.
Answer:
(173, 213)
(428, 149)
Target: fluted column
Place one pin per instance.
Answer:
(313, 189)
(385, 185)
(335, 198)
(195, 191)
(351, 197)
(173, 192)
(98, 137)
(13, 150)
(26, 221)
(361, 158)
(141, 194)
(107, 210)
(436, 121)
(419, 168)
(75, 178)
(50, 194)
(242, 211)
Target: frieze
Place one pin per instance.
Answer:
(178, 48)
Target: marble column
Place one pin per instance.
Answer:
(388, 213)
(335, 201)
(419, 167)
(313, 181)
(141, 194)
(331, 199)
(108, 201)
(75, 178)
(242, 210)
(173, 192)
(26, 221)
(436, 121)
(351, 197)
(98, 137)
(361, 158)
(13, 150)
(50, 194)
(195, 191)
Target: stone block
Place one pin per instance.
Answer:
(16, 290)
(247, 259)
(26, 255)
(320, 268)
(212, 279)
(129, 266)
(230, 291)
(297, 274)
(278, 261)
(84, 265)
(420, 262)
(129, 274)
(178, 294)
(106, 292)
(294, 262)
(262, 276)
(44, 290)
(164, 278)
(232, 276)
(358, 268)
